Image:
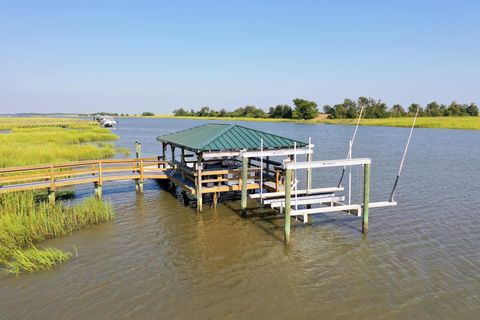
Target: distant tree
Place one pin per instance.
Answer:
(203, 112)
(351, 108)
(147, 114)
(281, 111)
(472, 109)
(412, 109)
(305, 109)
(397, 111)
(376, 109)
(433, 109)
(222, 112)
(329, 110)
(455, 109)
(180, 112)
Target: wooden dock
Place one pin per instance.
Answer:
(96, 172)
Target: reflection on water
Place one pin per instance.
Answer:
(158, 259)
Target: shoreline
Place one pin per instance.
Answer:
(454, 123)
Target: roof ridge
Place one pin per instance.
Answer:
(271, 134)
(188, 129)
(215, 137)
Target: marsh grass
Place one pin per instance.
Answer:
(24, 222)
(32, 142)
(462, 123)
(26, 218)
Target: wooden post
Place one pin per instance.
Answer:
(51, 190)
(99, 183)
(199, 183)
(215, 200)
(173, 152)
(366, 198)
(142, 177)
(183, 163)
(138, 149)
(288, 207)
(244, 181)
(164, 151)
(138, 154)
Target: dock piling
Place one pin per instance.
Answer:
(366, 198)
(288, 207)
(51, 196)
(244, 180)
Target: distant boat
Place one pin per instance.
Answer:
(105, 121)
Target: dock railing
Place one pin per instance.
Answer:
(78, 172)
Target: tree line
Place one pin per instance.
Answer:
(350, 109)
(303, 109)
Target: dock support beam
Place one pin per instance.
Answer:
(138, 154)
(199, 183)
(245, 162)
(98, 190)
(288, 206)
(366, 197)
(51, 196)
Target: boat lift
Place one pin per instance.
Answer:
(327, 199)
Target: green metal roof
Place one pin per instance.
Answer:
(223, 137)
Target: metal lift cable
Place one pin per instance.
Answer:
(352, 141)
(404, 156)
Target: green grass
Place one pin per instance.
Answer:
(7, 123)
(30, 142)
(24, 222)
(463, 123)
(26, 218)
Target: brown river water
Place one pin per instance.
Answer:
(161, 260)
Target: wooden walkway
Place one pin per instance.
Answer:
(97, 172)
(80, 172)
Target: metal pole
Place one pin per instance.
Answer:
(366, 198)
(309, 170)
(244, 186)
(288, 197)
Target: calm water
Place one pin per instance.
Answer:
(161, 260)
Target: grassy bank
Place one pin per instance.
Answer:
(24, 222)
(25, 218)
(461, 123)
(38, 141)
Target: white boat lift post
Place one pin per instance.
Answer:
(363, 208)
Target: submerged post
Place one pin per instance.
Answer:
(244, 185)
(366, 197)
(288, 207)
(138, 154)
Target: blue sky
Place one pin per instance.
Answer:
(134, 56)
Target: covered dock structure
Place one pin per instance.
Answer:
(216, 158)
